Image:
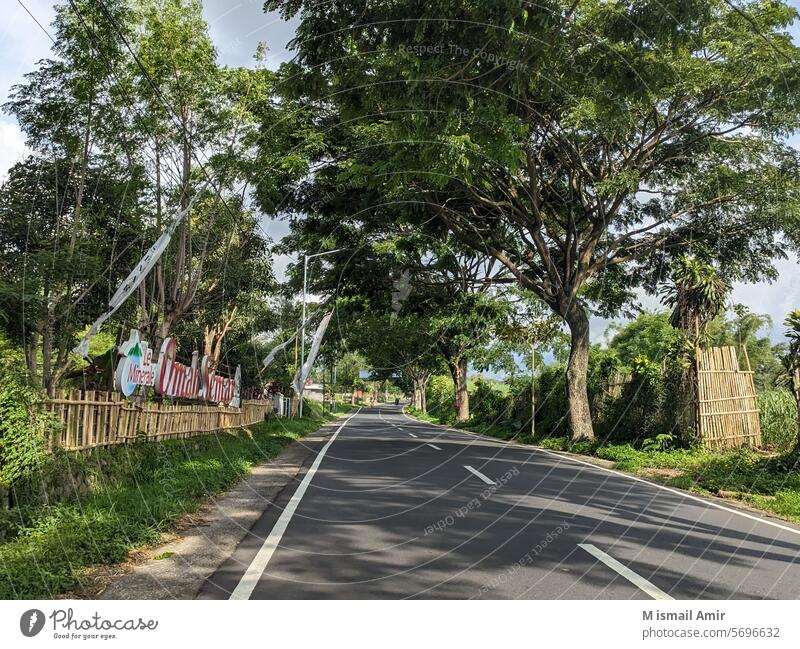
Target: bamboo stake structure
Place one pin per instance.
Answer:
(726, 405)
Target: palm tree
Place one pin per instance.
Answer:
(696, 294)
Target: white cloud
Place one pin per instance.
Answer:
(12, 146)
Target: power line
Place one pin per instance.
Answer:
(28, 11)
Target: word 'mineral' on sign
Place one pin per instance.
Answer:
(171, 378)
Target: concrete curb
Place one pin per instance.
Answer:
(202, 548)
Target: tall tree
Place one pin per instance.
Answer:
(580, 144)
(68, 109)
(175, 74)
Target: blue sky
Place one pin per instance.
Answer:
(236, 28)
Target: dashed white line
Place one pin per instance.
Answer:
(637, 580)
(412, 434)
(434, 446)
(478, 474)
(254, 571)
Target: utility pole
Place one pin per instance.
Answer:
(533, 389)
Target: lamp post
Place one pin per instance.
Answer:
(303, 325)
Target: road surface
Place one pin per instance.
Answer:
(389, 507)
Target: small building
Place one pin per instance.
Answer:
(313, 391)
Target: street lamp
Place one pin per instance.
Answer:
(303, 325)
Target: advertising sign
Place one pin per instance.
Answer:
(169, 378)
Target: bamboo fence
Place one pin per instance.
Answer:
(726, 412)
(94, 418)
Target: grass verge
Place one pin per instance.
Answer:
(767, 482)
(138, 492)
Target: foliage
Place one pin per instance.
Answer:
(740, 328)
(650, 335)
(441, 399)
(779, 419)
(792, 324)
(660, 442)
(584, 174)
(127, 120)
(491, 405)
(23, 426)
(135, 493)
(696, 294)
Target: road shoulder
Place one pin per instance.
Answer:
(185, 563)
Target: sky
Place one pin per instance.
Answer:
(236, 29)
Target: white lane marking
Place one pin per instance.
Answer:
(677, 492)
(627, 476)
(396, 426)
(478, 473)
(637, 580)
(256, 568)
(412, 434)
(434, 446)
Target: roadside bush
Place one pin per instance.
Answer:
(441, 398)
(778, 414)
(491, 405)
(551, 401)
(22, 424)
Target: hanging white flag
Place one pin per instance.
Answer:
(136, 276)
(279, 348)
(300, 377)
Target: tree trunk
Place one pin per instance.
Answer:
(31, 348)
(418, 399)
(579, 416)
(459, 371)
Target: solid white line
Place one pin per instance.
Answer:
(434, 446)
(637, 580)
(256, 568)
(677, 492)
(479, 474)
(412, 434)
(627, 476)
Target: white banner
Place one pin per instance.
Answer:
(279, 348)
(300, 377)
(136, 276)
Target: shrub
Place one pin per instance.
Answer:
(441, 399)
(490, 405)
(778, 414)
(22, 423)
(551, 401)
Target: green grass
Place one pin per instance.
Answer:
(143, 490)
(778, 415)
(768, 482)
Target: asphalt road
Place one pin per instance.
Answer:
(394, 508)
